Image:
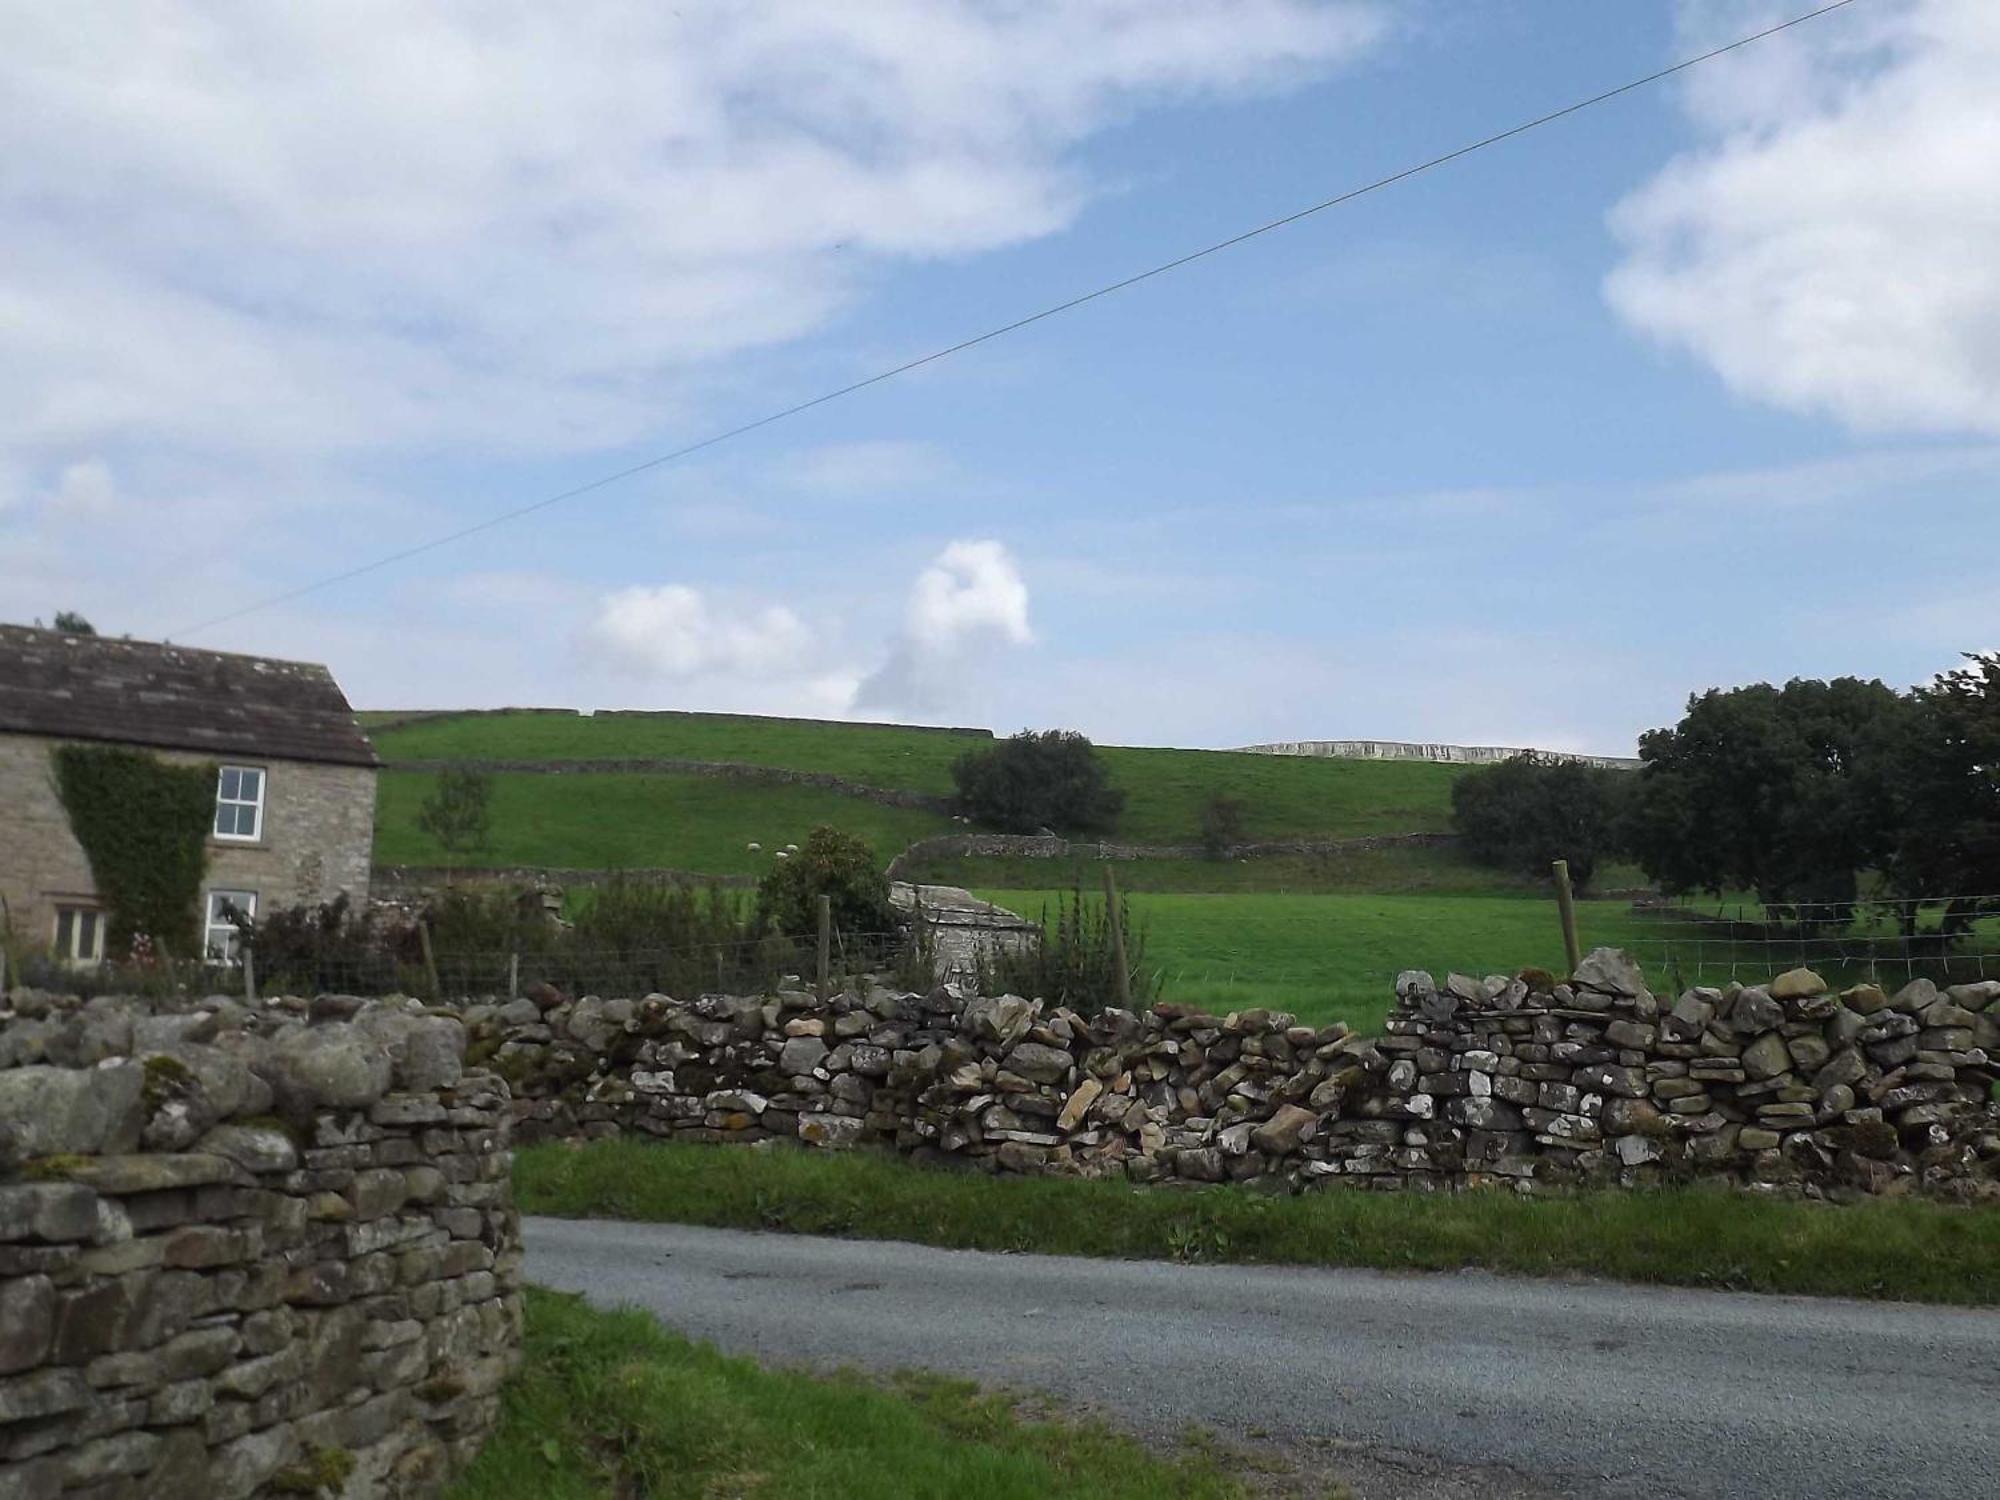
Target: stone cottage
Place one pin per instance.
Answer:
(295, 783)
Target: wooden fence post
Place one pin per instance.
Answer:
(250, 976)
(1566, 911)
(513, 976)
(825, 944)
(1117, 921)
(430, 959)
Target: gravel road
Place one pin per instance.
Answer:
(1418, 1385)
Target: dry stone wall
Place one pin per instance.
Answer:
(1507, 1080)
(248, 1252)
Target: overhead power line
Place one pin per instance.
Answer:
(503, 517)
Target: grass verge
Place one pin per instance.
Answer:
(1695, 1237)
(610, 1404)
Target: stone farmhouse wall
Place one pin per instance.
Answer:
(318, 836)
(248, 1253)
(1517, 1081)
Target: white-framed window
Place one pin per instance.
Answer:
(80, 934)
(220, 935)
(239, 804)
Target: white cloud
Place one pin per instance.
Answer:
(1834, 244)
(969, 601)
(374, 225)
(675, 632)
(84, 488)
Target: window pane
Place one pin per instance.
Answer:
(231, 780)
(253, 785)
(66, 932)
(87, 935)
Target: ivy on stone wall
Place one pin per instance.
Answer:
(144, 827)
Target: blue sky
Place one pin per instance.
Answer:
(1699, 387)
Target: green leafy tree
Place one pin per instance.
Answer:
(1787, 792)
(458, 812)
(71, 623)
(1052, 780)
(838, 866)
(1529, 811)
(1946, 784)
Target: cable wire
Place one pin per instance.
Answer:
(1108, 289)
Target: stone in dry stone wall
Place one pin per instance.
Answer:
(1475, 1082)
(248, 1252)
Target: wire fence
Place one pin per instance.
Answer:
(450, 973)
(1947, 939)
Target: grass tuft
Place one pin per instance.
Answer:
(612, 1404)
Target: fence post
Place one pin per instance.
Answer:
(1117, 922)
(1566, 910)
(513, 976)
(250, 976)
(825, 944)
(430, 959)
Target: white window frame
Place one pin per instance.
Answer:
(75, 911)
(214, 923)
(255, 804)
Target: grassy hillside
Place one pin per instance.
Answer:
(609, 822)
(1283, 797)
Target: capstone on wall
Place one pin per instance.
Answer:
(318, 834)
(248, 1252)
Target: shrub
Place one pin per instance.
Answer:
(833, 864)
(1222, 820)
(457, 812)
(1052, 780)
(1527, 812)
(1075, 964)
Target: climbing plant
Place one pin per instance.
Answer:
(144, 827)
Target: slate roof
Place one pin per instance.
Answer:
(83, 687)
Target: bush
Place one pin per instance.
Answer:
(833, 864)
(1075, 963)
(1527, 812)
(1221, 825)
(1052, 780)
(457, 814)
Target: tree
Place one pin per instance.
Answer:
(1222, 819)
(457, 813)
(1529, 811)
(1946, 785)
(838, 866)
(1783, 791)
(1051, 780)
(71, 623)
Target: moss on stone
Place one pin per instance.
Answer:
(57, 1168)
(323, 1471)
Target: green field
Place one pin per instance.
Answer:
(887, 755)
(1335, 957)
(702, 824)
(1283, 796)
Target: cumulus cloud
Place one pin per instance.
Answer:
(1833, 245)
(375, 225)
(676, 632)
(968, 602)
